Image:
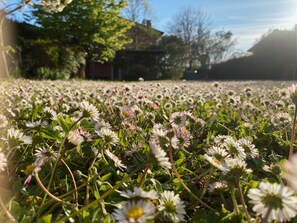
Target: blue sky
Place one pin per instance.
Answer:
(247, 19)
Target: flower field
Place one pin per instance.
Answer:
(82, 151)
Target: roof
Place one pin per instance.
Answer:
(276, 37)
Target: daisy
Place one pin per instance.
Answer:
(31, 170)
(127, 112)
(75, 137)
(150, 116)
(167, 106)
(3, 161)
(88, 110)
(293, 93)
(139, 193)
(248, 147)
(160, 133)
(218, 187)
(236, 167)
(234, 148)
(36, 124)
(102, 124)
(135, 211)
(273, 168)
(51, 112)
(16, 136)
(273, 202)
(217, 152)
(178, 118)
(117, 162)
(108, 136)
(85, 134)
(183, 136)
(215, 162)
(160, 155)
(172, 206)
(43, 154)
(220, 139)
(281, 119)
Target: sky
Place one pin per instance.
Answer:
(248, 20)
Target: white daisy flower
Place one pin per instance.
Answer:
(127, 112)
(220, 139)
(160, 134)
(168, 106)
(273, 202)
(178, 118)
(102, 124)
(3, 161)
(44, 154)
(236, 167)
(248, 147)
(183, 135)
(215, 162)
(217, 187)
(36, 124)
(18, 137)
(108, 136)
(88, 110)
(135, 212)
(160, 155)
(117, 162)
(281, 119)
(75, 137)
(139, 193)
(217, 152)
(172, 206)
(234, 148)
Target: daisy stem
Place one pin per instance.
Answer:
(47, 192)
(235, 206)
(148, 166)
(182, 182)
(206, 184)
(242, 201)
(223, 200)
(8, 214)
(101, 198)
(58, 159)
(47, 204)
(88, 179)
(293, 133)
(74, 182)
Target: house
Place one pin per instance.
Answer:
(141, 58)
(274, 57)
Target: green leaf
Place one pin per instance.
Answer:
(157, 185)
(65, 123)
(108, 219)
(45, 219)
(50, 134)
(15, 209)
(106, 176)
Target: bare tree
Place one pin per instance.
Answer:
(138, 10)
(204, 45)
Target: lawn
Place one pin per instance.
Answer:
(86, 151)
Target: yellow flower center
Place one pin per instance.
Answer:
(125, 113)
(135, 213)
(29, 169)
(217, 162)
